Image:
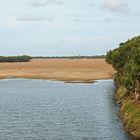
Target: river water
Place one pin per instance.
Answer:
(48, 110)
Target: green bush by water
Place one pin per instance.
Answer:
(126, 61)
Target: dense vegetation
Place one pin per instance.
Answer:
(126, 61)
(23, 58)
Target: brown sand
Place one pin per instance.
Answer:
(68, 70)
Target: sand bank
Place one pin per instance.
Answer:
(68, 70)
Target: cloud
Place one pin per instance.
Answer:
(10, 23)
(91, 4)
(57, 2)
(77, 20)
(37, 3)
(42, 3)
(34, 18)
(116, 6)
(109, 19)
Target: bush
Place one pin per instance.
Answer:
(23, 58)
(126, 60)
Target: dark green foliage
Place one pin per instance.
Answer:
(126, 60)
(23, 58)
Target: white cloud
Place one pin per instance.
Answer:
(116, 6)
(109, 19)
(91, 4)
(34, 18)
(38, 3)
(42, 3)
(57, 2)
(10, 23)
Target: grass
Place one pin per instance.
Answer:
(121, 92)
(130, 113)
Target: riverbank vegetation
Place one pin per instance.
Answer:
(23, 58)
(126, 61)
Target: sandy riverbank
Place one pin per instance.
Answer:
(68, 70)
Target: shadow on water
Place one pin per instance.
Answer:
(47, 110)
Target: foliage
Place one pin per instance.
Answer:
(121, 93)
(23, 58)
(130, 113)
(126, 60)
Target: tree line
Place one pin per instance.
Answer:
(126, 60)
(23, 58)
(69, 57)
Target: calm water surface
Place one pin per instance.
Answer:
(47, 110)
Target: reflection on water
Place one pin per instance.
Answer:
(46, 110)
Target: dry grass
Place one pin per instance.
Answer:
(68, 70)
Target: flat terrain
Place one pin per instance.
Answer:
(68, 70)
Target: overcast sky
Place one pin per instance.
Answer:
(66, 27)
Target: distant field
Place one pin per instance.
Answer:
(68, 70)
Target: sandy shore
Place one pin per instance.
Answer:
(68, 70)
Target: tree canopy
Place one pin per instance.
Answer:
(126, 60)
(23, 58)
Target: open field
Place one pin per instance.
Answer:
(68, 70)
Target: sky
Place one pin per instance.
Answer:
(66, 27)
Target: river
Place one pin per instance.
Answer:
(51, 110)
